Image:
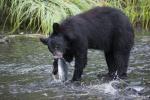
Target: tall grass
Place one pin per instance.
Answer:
(39, 15)
(137, 10)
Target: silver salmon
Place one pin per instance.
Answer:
(62, 69)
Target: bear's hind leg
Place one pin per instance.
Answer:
(110, 60)
(121, 61)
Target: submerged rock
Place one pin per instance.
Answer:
(134, 90)
(4, 39)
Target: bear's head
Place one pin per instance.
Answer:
(56, 42)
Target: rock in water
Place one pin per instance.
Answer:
(62, 69)
(3, 39)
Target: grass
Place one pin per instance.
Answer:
(39, 15)
(137, 10)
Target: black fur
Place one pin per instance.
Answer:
(101, 28)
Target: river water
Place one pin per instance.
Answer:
(26, 66)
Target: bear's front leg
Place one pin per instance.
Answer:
(68, 56)
(80, 63)
(55, 67)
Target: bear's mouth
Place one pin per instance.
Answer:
(57, 55)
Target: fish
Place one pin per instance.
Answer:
(62, 69)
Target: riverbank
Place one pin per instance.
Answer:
(5, 38)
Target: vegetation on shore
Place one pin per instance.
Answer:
(39, 15)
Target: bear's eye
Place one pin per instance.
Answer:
(56, 47)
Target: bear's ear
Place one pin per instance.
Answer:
(55, 27)
(44, 40)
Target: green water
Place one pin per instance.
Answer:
(26, 65)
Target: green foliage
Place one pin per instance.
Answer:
(137, 10)
(1, 4)
(39, 15)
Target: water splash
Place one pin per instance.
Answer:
(105, 88)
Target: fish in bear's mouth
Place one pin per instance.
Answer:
(61, 72)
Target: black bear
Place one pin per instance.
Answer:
(102, 28)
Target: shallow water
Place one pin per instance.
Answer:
(26, 65)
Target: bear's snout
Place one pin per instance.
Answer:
(57, 54)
